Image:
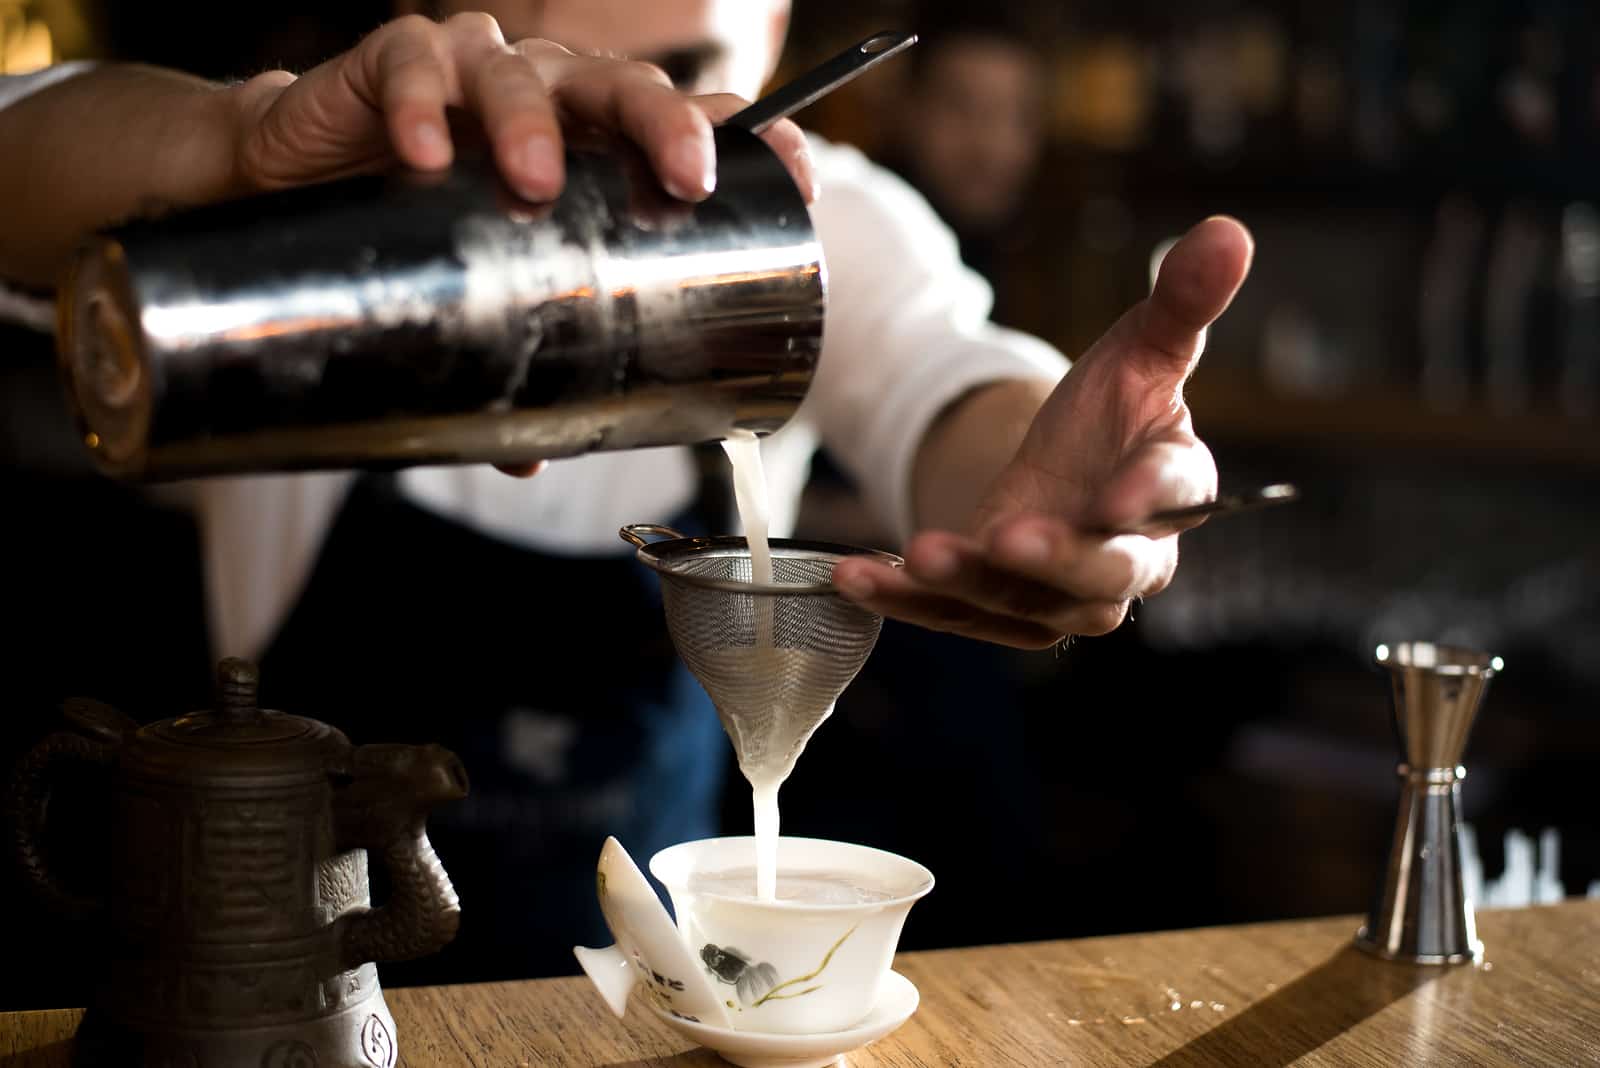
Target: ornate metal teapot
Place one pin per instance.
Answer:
(239, 931)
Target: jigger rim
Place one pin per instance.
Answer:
(1438, 658)
(667, 558)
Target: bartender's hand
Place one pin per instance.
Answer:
(125, 140)
(1040, 558)
(386, 98)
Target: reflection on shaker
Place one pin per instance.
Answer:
(418, 319)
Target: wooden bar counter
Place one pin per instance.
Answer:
(1269, 994)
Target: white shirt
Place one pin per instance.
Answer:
(907, 332)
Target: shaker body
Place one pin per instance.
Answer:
(411, 319)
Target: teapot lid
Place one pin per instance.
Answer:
(238, 739)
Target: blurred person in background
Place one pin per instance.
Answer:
(965, 126)
(969, 128)
(531, 642)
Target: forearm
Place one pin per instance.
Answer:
(105, 146)
(967, 446)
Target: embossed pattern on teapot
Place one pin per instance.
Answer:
(241, 931)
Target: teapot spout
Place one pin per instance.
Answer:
(405, 779)
(384, 808)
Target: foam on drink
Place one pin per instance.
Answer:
(798, 887)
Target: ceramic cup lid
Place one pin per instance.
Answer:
(649, 952)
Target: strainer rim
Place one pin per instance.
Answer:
(653, 554)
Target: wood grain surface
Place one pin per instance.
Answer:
(1271, 994)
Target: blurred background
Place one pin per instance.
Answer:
(1418, 348)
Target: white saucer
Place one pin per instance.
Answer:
(897, 1000)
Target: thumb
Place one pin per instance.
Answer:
(1195, 282)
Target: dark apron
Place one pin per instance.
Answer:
(554, 680)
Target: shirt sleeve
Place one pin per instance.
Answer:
(907, 332)
(13, 87)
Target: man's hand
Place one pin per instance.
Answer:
(123, 141)
(1042, 558)
(385, 100)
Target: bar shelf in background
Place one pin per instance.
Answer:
(1230, 406)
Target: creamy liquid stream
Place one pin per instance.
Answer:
(768, 723)
(750, 494)
(755, 515)
(765, 797)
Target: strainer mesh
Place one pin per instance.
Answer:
(770, 699)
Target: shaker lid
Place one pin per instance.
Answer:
(236, 739)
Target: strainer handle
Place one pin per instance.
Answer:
(636, 533)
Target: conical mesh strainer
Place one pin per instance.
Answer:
(773, 659)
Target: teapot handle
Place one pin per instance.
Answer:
(29, 801)
(384, 810)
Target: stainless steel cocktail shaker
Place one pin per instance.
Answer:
(421, 319)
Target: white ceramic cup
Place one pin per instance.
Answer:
(791, 967)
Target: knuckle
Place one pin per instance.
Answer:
(409, 26)
(638, 68)
(476, 24)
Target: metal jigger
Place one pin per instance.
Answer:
(1422, 913)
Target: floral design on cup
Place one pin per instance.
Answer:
(758, 984)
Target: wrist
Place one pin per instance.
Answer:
(210, 154)
(196, 125)
(220, 118)
(967, 447)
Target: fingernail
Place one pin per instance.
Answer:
(1028, 547)
(540, 163)
(694, 158)
(939, 564)
(433, 141)
(856, 587)
(1250, 239)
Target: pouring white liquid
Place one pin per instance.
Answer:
(765, 771)
(765, 799)
(750, 494)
